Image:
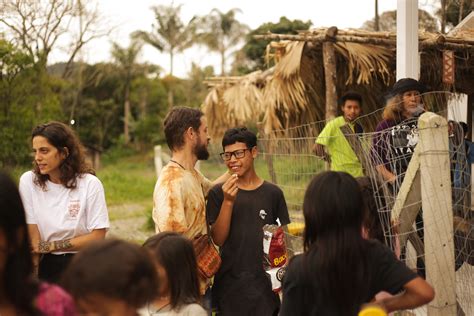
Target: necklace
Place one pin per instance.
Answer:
(177, 163)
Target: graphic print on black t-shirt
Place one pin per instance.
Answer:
(403, 140)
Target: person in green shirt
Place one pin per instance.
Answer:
(331, 143)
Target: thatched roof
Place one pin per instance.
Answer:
(293, 93)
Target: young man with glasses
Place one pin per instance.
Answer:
(237, 211)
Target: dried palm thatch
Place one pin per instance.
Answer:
(233, 102)
(285, 98)
(366, 63)
(294, 92)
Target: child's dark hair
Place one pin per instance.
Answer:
(334, 213)
(373, 220)
(241, 135)
(176, 254)
(20, 289)
(115, 269)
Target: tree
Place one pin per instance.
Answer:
(38, 26)
(20, 106)
(126, 59)
(197, 90)
(221, 32)
(388, 22)
(452, 13)
(251, 57)
(170, 35)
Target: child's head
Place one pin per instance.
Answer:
(332, 205)
(177, 267)
(111, 277)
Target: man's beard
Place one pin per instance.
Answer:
(201, 151)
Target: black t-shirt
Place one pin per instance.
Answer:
(386, 273)
(241, 279)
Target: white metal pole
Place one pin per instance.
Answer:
(408, 64)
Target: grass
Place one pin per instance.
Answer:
(129, 180)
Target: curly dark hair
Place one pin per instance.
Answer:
(177, 121)
(62, 136)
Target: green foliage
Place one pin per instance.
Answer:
(453, 9)
(27, 97)
(170, 34)
(128, 177)
(254, 49)
(221, 32)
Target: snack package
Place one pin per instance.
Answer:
(274, 254)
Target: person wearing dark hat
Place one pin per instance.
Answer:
(397, 134)
(396, 138)
(331, 143)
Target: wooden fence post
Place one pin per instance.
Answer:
(437, 212)
(330, 73)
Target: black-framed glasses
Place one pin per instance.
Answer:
(238, 154)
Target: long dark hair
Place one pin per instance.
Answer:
(176, 254)
(61, 137)
(335, 256)
(18, 286)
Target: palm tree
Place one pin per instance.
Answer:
(169, 35)
(221, 32)
(126, 59)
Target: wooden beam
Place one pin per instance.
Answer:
(329, 62)
(437, 212)
(407, 204)
(356, 146)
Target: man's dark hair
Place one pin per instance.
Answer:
(177, 121)
(465, 127)
(239, 134)
(350, 95)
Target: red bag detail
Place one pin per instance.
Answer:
(207, 256)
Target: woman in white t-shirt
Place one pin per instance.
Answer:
(64, 202)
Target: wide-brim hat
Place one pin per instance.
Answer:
(407, 84)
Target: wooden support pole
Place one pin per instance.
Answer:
(470, 108)
(437, 213)
(408, 64)
(407, 204)
(329, 61)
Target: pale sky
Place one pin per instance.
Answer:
(128, 16)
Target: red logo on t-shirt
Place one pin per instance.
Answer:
(73, 208)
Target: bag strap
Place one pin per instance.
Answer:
(208, 229)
